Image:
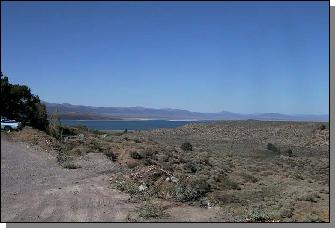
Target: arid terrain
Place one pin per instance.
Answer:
(228, 171)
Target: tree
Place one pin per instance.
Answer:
(17, 102)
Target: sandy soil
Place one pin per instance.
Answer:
(35, 188)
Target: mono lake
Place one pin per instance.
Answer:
(109, 125)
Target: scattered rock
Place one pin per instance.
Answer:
(142, 187)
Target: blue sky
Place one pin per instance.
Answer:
(208, 57)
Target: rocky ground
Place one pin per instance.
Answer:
(232, 171)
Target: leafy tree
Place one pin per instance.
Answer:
(17, 102)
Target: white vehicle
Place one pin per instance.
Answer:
(9, 125)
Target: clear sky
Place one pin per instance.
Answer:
(208, 57)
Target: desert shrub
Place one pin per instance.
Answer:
(190, 189)
(70, 165)
(149, 152)
(54, 127)
(148, 162)
(132, 164)
(96, 146)
(110, 155)
(272, 147)
(94, 131)
(137, 141)
(162, 157)
(82, 127)
(215, 176)
(186, 146)
(312, 217)
(62, 157)
(248, 178)
(126, 185)
(259, 215)
(55, 131)
(312, 197)
(135, 155)
(322, 127)
(76, 151)
(68, 130)
(168, 166)
(181, 160)
(324, 190)
(204, 159)
(288, 152)
(149, 210)
(220, 197)
(297, 175)
(286, 211)
(191, 166)
(226, 182)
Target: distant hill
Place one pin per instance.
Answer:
(76, 112)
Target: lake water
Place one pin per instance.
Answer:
(127, 124)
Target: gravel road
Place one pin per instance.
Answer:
(34, 188)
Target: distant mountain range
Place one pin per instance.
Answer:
(79, 112)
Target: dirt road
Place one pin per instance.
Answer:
(35, 188)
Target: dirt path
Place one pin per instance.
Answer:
(35, 188)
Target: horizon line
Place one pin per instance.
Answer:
(252, 113)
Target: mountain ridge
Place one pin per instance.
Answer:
(67, 110)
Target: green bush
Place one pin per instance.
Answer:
(186, 146)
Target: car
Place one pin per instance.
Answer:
(9, 125)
